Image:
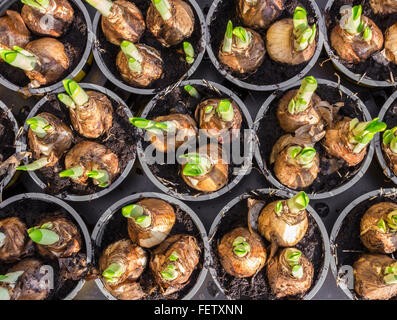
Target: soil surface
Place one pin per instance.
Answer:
(7, 138)
(32, 212)
(370, 67)
(270, 131)
(257, 287)
(270, 72)
(175, 65)
(115, 229)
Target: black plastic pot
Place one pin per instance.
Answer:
(187, 194)
(31, 215)
(19, 147)
(359, 79)
(79, 70)
(346, 246)
(72, 197)
(212, 49)
(391, 121)
(360, 111)
(235, 215)
(110, 70)
(101, 238)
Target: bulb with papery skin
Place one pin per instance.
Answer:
(14, 242)
(13, 31)
(259, 14)
(383, 7)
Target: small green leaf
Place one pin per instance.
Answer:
(279, 207)
(390, 279)
(382, 225)
(192, 91)
(132, 211)
(43, 236)
(174, 256)
(297, 271)
(225, 110)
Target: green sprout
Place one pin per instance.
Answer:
(173, 256)
(113, 272)
(75, 93)
(392, 220)
(192, 91)
(163, 8)
(73, 173)
(19, 58)
(133, 56)
(228, 40)
(302, 156)
(100, 176)
(189, 52)
(39, 126)
(382, 225)
(279, 207)
(197, 165)
(354, 23)
(390, 139)
(243, 37)
(293, 257)
(103, 6)
(367, 34)
(363, 132)
(41, 5)
(11, 277)
(298, 202)
(241, 247)
(154, 126)
(304, 95)
(304, 34)
(136, 212)
(225, 110)
(208, 109)
(169, 273)
(35, 165)
(391, 274)
(43, 235)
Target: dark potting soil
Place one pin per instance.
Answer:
(175, 65)
(120, 140)
(32, 212)
(74, 40)
(370, 67)
(7, 138)
(257, 287)
(115, 229)
(347, 245)
(179, 101)
(270, 131)
(270, 72)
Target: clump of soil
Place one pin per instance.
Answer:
(120, 140)
(175, 65)
(32, 212)
(269, 132)
(257, 287)
(115, 229)
(370, 67)
(7, 138)
(270, 72)
(74, 40)
(347, 245)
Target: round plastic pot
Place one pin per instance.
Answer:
(277, 194)
(73, 215)
(19, 146)
(77, 73)
(337, 250)
(323, 195)
(100, 231)
(269, 87)
(378, 140)
(115, 183)
(117, 79)
(353, 77)
(245, 168)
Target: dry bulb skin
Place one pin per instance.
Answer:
(389, 147)
(242, 253)
(378, 228)
(290, 273)
(348, 139)
(27, 280)
(284, 222)
(296, 162)
(91, 160)
(121, 265)
(375, 277)
(383, 6)
(242, 50)
(121, 20)
(149, 221)
(14, 241)
(170, 21)
(259, 14)
(47, 17)
(173, 262)
(139, 65)
(292, 41)
(56, 237)
(297, 108)
(168, 133)
(49, 138)
(356, 37)
(219, 119)
(206, 170)
(391, 43)
(13, 31)
(91, 112)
